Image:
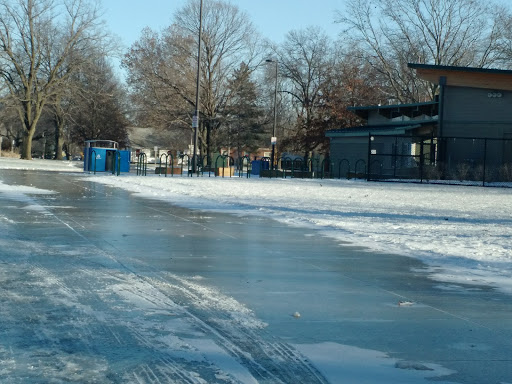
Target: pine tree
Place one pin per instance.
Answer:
(243, 115)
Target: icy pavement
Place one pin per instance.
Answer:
(463, 233)
(78, 307)
(98, 285)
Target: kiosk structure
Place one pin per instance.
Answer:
(105, 156)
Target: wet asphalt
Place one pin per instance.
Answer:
(343, 293)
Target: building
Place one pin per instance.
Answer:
(397, 127)
(466, 132)
(474, 103)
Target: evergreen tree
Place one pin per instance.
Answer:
(243, 115)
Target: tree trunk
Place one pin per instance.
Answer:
(207, 143)
(26, 148)
(31, 118)
(59, 136)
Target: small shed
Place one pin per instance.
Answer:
(105, 156)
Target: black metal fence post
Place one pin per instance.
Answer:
(422, 161)
(369, 156)
(485, 163)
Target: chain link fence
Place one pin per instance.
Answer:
(448, 160)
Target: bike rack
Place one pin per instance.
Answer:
(342, 161)
(241, 166)
(224, 157)
(142, 164)
(165, 162)
(356, 166)
(182, 157)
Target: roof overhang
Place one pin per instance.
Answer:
(393, 111)
(495, 79)
(384, 130)
(366, 132)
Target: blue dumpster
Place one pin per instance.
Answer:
(104, 156)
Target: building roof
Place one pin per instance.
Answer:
(147, 137)
(486, 78)
(395, 128)
(390, 111)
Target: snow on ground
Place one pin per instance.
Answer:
(40, 164)
(463, 233)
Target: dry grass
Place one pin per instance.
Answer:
(12, 155)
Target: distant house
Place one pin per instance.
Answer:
(469, 123)
(153, 142)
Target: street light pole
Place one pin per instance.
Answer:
(195, 119)
(273, 140)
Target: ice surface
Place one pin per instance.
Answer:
(463, 233)
(343, 364)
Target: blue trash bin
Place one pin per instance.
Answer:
(103, 156)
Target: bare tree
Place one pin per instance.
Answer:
(10, 126)
(161, 77)
(392, 33)
(38, 41)
(76, 78)
(228, 39)
(350, 82)
(162, 68)
(305, 60)
(99, 105)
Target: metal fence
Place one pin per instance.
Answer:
(448, 160)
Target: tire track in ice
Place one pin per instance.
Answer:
(240, 348)
(235, 331)
(268, 359)
(57, 315)
(282, 363)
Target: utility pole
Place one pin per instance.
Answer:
(195, 119)
(273, 139)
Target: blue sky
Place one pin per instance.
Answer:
(273, 18)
